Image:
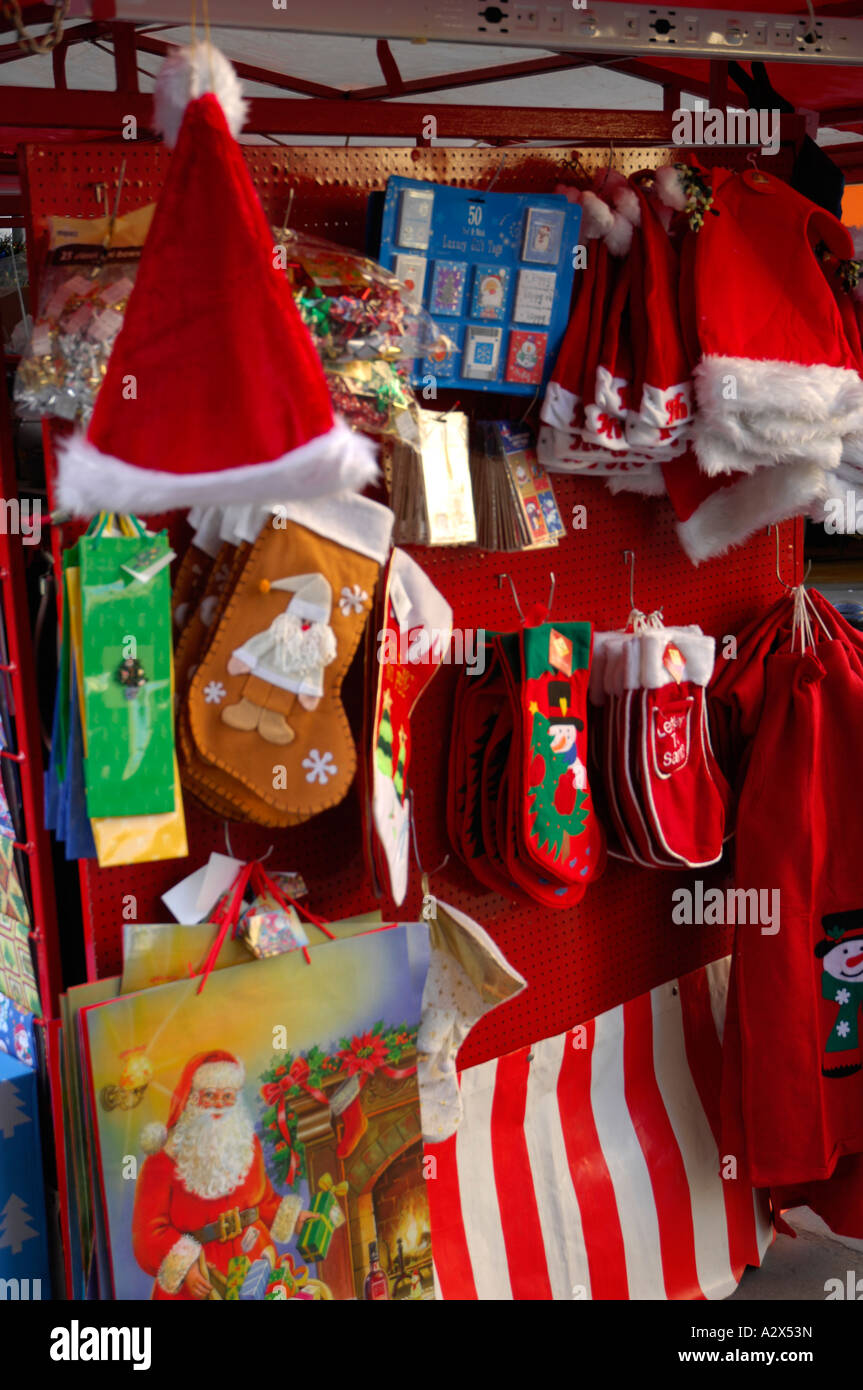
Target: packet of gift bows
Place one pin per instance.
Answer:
(85, 285)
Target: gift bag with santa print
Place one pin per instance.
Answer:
(273, 1121)
(264, 704)
(412, 641)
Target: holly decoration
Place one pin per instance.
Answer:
(553, 816)
(294, 1075)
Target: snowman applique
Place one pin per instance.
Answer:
(841, 956)
(563, 731)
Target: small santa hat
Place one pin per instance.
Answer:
(218, 1070)
(214, 390)
(313, 596)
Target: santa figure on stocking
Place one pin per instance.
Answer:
(203, 1194)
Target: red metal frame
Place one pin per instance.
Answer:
(22, 675)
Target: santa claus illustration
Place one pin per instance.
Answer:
(203, 1194)
(286, 662)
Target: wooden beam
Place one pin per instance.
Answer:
(670, 97)
(145, 44)
(81, 33)
(125, 57)
(477, 77)
(390, 69)
(35, 107)
(648, 71)
(717, 95)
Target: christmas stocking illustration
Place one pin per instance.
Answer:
(415, 638)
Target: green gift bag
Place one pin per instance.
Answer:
(125, 594)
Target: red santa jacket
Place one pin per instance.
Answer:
(166, 1214)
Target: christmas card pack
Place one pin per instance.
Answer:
(514, 500)
(259, 1138)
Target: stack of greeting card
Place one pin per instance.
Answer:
(513, 497)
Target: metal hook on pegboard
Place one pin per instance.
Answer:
(629, 559)
(426, 874)
(783, 582)
(500, 579)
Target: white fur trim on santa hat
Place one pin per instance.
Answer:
(626, 201)
(852, 451)
(177, 1263)
(559, 406)
(717, 456)
(285, 1220)
(189, 73)
(596, 216)
(731, 515)
(669, 187)
(618, 238)
(778, 410)
(647, 480)
(153, 1138)
(89, 481)
(219, 1076)
(358, 523)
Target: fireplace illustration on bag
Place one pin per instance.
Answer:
(368, 1136)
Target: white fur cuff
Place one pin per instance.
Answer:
(177, 1263)
(285, 1219)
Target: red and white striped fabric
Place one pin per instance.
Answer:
(587, 1166)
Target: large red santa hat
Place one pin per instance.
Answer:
(214, 391)
(218, 1070)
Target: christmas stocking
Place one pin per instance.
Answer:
(682, 802)
(468, 976)
(196, 629)
(264, 703)
(544, 887)
(414, 639)
(483, 697)
(558, 827)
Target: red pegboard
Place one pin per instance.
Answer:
(621, 940)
